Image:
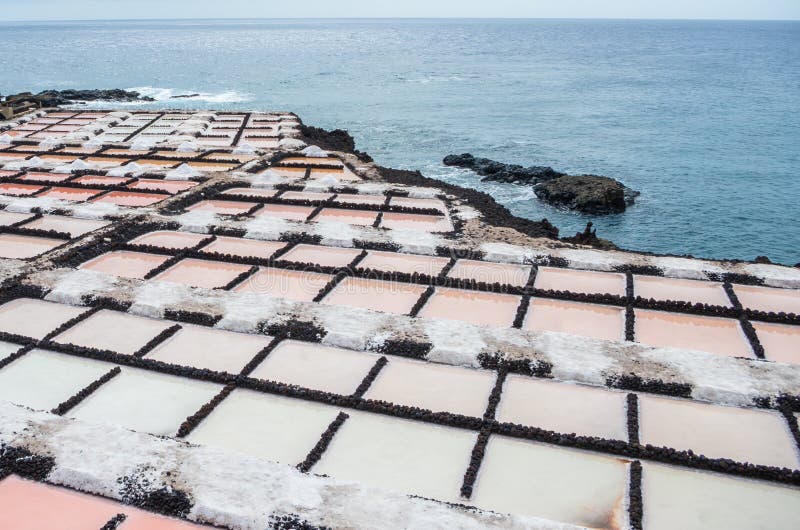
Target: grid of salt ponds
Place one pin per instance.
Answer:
(129, 190)
(27, 235)
(55, 125)
(379, 281)
(29, 505)
(415, 456)
(209, 129)
(330, 207)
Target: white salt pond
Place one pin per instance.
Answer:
(146, 401)
(43, 379)
(488, 272)
(696, 500)
(377, 295)
(212, 349)
(399, 455)
(316, 366)
(529, 478)
(273, 427)
(102, 331)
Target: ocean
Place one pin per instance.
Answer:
(702, 117)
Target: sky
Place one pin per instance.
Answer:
(12, 10)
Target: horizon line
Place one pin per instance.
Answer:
(152, 19)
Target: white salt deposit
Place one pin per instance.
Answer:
(187, 147)
(266, 179)
(75, 165)
(141, 144)
(50, 143)
(266, 228)
(291, 143)
(244, 149)
(133, 169)
(74, 285)
(313, 151)
(5, 139)
(183, 172)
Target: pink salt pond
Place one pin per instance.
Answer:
(408, 221)
(125, 263)
(169, 186)
(692, 291)
(10, 218)
(100, 180)
(341, 215)
(245, 248)
(223, 207)
(35, 318)
(475, 307)
(24, 247)
(353, 198)
(721, 336)
(44, 177)
(251, 192)
(306, 196)
(71, 225)
(781, 342)
(578, 281)
(102, 330)
(488, 272)
(411, 202)
(376, 295)
(70, 194)
(769, 299)
(300, 286)
(319, 255)
(285, 211)
(404, 263)
(19, 190)
(202, 273)
(169, 239)
(131, 198)
(587, 320)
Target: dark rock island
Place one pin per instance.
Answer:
(591, 194)
(54, 98)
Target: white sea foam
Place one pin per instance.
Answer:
(165, 94)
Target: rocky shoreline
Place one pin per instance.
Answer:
(592, 194)
(55, 98)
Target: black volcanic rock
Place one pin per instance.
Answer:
(492, 170)
(54, 98)
(586, 193)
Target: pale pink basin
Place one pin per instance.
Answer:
(169, 186)
(694, 291)
(102, 331)
(341, 215)
(70, 194)
(35, 318)
(24, 247)
(577, 281)
(353, 198)
(285, 211)
(306, 196)
(301, 286)
(721, 336)
(587, 320)
(251, 192)
(406, 263)
(320, 255)
(202, 273)
(125, 263)
(377, 295)
(10, 218)
(409, 221)
(16, 190)
(223, 207)
(475, 307)
(236, 246)
(781, 342)
(169, 239)
(488, 272)
(769, 298)
(71, 225)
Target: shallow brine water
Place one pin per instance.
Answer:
(699, 116)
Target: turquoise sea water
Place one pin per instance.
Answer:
(702, 117)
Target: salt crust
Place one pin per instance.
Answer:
(336, 234)
(415, 241)
(228, 489)
(196, 220)
(723, 380)
(75, 284)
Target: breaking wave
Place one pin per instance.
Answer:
(170, 94)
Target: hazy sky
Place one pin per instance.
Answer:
(129, 9)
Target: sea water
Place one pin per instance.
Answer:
(701, 117)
